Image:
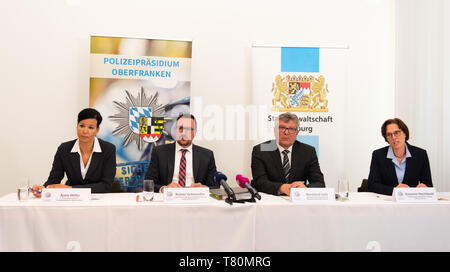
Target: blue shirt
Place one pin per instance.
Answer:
(399, 168)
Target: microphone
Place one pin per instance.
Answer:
(221, 179)
(245, 183)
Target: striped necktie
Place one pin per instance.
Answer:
(286, 165)
(182, 173)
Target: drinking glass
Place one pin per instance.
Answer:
(147, 189)
(22, 194)
(343, 188)
(23, 191)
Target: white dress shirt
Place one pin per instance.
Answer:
(189, 168)
(399, 168)
(281, 149)
(76, 149)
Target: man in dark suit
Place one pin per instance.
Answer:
(285, 163)
(182, 164)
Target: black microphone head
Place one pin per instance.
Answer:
(219, 176)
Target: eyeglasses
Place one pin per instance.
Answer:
(288, 130)
(396, 134)
(187, 129)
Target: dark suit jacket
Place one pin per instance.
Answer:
(100, 175)
(267, 170)
(382, 176)
(162, 164)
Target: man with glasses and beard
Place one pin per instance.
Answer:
(182, 164)
(284, 163)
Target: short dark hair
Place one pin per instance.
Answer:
(401, 125)
(90, 113)
(189, 116)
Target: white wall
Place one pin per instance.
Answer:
(45, 67)
(422, 80)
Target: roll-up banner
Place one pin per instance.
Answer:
(310, 82)
(139, 86)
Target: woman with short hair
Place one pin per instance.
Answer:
(87, 161)
(399, 164)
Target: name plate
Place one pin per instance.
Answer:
(308, 195)
(414, 195)
(186, 195)
(66, 195)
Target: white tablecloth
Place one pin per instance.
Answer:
(116, 222)
(367, 222)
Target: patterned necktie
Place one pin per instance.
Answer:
(286, 164)
(182, 173)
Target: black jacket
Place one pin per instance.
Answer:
(100, 175)
(162, 164)
(382, 176)
(267, 170)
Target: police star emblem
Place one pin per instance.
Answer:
(140, 119)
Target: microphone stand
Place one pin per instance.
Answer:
(230, 200)
(252, 199)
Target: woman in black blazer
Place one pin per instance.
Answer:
(399, 164)
(88, 162)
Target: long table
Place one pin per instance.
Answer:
(367, 222)
(116, 222)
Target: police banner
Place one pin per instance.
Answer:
(139, 86)
(310, 82)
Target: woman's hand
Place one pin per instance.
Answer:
(37, 190)
(59, 186)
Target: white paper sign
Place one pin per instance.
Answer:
(66, 194)
(312, 195)
(414, 195)
(186, 195)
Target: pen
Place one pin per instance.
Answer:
(37, 192)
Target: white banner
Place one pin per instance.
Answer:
(139, 86)
(312, 83)
(169, 70)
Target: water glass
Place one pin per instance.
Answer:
(22, 194)
(147, 189)
(343, 188)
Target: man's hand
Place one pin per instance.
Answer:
(171, 185)
(285, 189)
(198, 184)
(298, 184)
